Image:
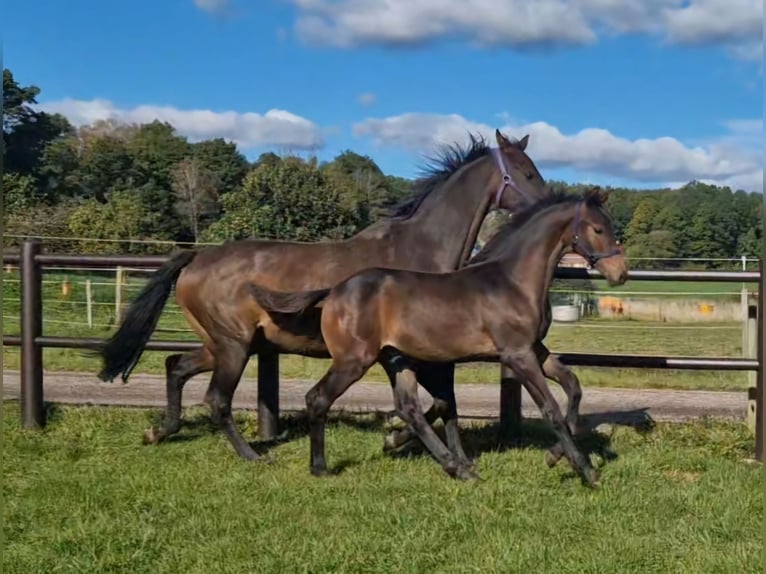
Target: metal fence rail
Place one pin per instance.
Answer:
(31, 261)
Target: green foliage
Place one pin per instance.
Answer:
(19, 193)
(289, 200)
(126, 216)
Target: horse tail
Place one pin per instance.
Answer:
(284, 302)
(121, 352)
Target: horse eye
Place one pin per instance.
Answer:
(598, 230)
(530, 175)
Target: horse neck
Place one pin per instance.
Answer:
(539, 245)
(447, 223)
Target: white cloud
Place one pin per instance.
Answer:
(367, 98)
(249, 129)
(730, 159)
(735, 24)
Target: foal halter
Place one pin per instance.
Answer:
(591, 257)
(507, 179)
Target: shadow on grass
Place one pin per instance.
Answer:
(477, 437)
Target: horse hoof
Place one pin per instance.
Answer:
(552, 457)
(396, 440)
(592, 477)
(319, 472)
(152, 436)
(465, 473)
(250, 455)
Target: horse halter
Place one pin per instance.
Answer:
(507, 179)
(591, 257)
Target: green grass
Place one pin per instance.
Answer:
(85, 496)
(66, 316)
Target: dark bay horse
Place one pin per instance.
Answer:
(492, 309)
(434, 231)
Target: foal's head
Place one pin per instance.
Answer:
(594, 239)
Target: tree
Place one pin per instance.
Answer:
(26, 131)
(196, 191)
(223, 162)
(123, 218)
(288, 200)
(19, 193)
(642, 220)
(658, 244)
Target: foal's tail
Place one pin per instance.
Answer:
(284, 302)
(122, 351)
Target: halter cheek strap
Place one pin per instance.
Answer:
(581, 249)
(507, 180)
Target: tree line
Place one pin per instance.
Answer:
(133, 182)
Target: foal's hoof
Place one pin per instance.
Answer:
(153, 436)
(592, 477)
(395, 440)
(250, 455)
(319, 472)
(553, 456)
(466, 473)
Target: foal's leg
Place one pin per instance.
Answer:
(231, 358)
(179, 368)
(320, 398)
(557, 371)
(525, 364)
(439, 380)
(428, 375)
(408, 406)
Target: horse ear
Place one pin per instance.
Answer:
(523, 142)
(593, 195)
(603, 196)
(502, 141)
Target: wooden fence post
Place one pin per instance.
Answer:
(89, 302)
(510, 402)
(268, 396)
(760, 430)
(32, 406)
(119, 277)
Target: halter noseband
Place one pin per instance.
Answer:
(507, 179)
(583, 251)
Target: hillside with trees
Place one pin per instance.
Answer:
(111, 181)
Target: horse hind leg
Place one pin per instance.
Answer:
(179, 369)
(230, 361)
(439, 381)
(320, 398)
(408, 405)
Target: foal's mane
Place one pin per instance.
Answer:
(521, 217)
(439, 168)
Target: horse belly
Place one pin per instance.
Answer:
(438, 333)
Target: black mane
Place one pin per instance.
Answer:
(439, 169)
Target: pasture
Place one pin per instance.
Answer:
(85, 496)
(66, 315)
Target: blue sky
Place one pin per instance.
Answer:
(622, 92)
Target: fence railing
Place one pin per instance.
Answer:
(31, 260)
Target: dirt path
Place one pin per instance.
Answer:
(474, 400)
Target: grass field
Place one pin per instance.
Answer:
(67, 316)
(85, 496)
